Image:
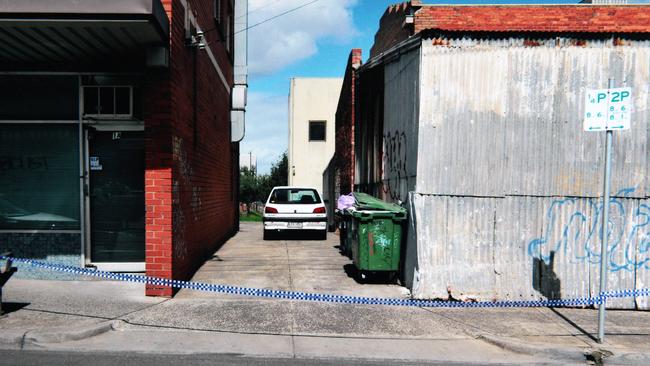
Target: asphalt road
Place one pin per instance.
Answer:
(38, 358)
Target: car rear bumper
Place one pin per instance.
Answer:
(295, 224)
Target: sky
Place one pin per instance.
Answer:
(313, 41)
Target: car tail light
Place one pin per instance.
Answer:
(270, 210)
(319, 210)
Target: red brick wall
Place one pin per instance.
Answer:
(190, 196)
(345, 113)
(391, 30)
(576, 18)
(158, 178)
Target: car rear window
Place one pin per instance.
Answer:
(288, 196)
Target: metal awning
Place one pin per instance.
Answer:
(73, 35)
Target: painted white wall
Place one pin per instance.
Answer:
(311, 99)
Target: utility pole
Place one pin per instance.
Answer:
(603, 246)
(250, 161)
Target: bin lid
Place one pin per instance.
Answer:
(366, 202)
(376, 214)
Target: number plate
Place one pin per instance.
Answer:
(294, 225)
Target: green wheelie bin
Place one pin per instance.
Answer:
(376, 230)
(345, 231)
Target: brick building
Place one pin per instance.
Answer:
(345, 113)
(472, 117)
(120, 122)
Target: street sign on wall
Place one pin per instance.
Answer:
(608, 109)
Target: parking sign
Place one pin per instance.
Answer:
(608, 109)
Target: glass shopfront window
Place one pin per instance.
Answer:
(39, 97)
(39, 177)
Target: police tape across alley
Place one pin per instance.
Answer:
(330, 298)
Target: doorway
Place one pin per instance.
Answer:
(116, 217)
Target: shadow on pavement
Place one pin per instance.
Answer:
(10, 307)
(311, 235)
(574, 324)
(369, 278)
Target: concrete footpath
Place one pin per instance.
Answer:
(94, 315)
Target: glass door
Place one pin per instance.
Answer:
(116, 195)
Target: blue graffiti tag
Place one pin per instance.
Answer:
(579, 236)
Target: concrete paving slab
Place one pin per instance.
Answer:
(101, 299)
(32, 320)
(241, 316)
(370, 322)
(156, 341)
(151, 340)
(11, 339)
(296, 264)
(467, 351)
(515, 322)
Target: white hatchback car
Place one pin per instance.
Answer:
(295, 208)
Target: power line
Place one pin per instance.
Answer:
(258, 8)
(265, 20)
(277, 16)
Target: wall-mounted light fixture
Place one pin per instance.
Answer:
(196, 40)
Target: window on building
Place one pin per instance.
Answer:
(39, 177)
(217, 10)
(108, 101)
(39, 97)
(229, 29)
(316, 130)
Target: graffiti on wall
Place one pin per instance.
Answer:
(178, 222)
(23, 163)
(574, 230)
(178, 216)
(394, 160)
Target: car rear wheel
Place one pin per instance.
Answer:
(322, 235)
(267, 234)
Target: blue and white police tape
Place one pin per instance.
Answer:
(296, 295)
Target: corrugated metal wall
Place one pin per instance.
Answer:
(400, 142)
(400, 127)
(492, 107)
(506, 200)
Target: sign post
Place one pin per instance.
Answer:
(606, 110)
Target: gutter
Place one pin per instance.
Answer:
(392, 53)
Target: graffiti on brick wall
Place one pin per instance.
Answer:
(178, 217)
(185, 174)
(180, 156)
(196, 202)
(574, 230)
(394, 160)
(178, 222)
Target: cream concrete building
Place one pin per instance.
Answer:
(312, 109)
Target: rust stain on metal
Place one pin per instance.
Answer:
(440, 42)
(579, 42)
(531, 43)
(619, 42)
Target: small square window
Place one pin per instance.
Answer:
(316, 130)
(108, 101)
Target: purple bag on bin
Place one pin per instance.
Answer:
(345, 202)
